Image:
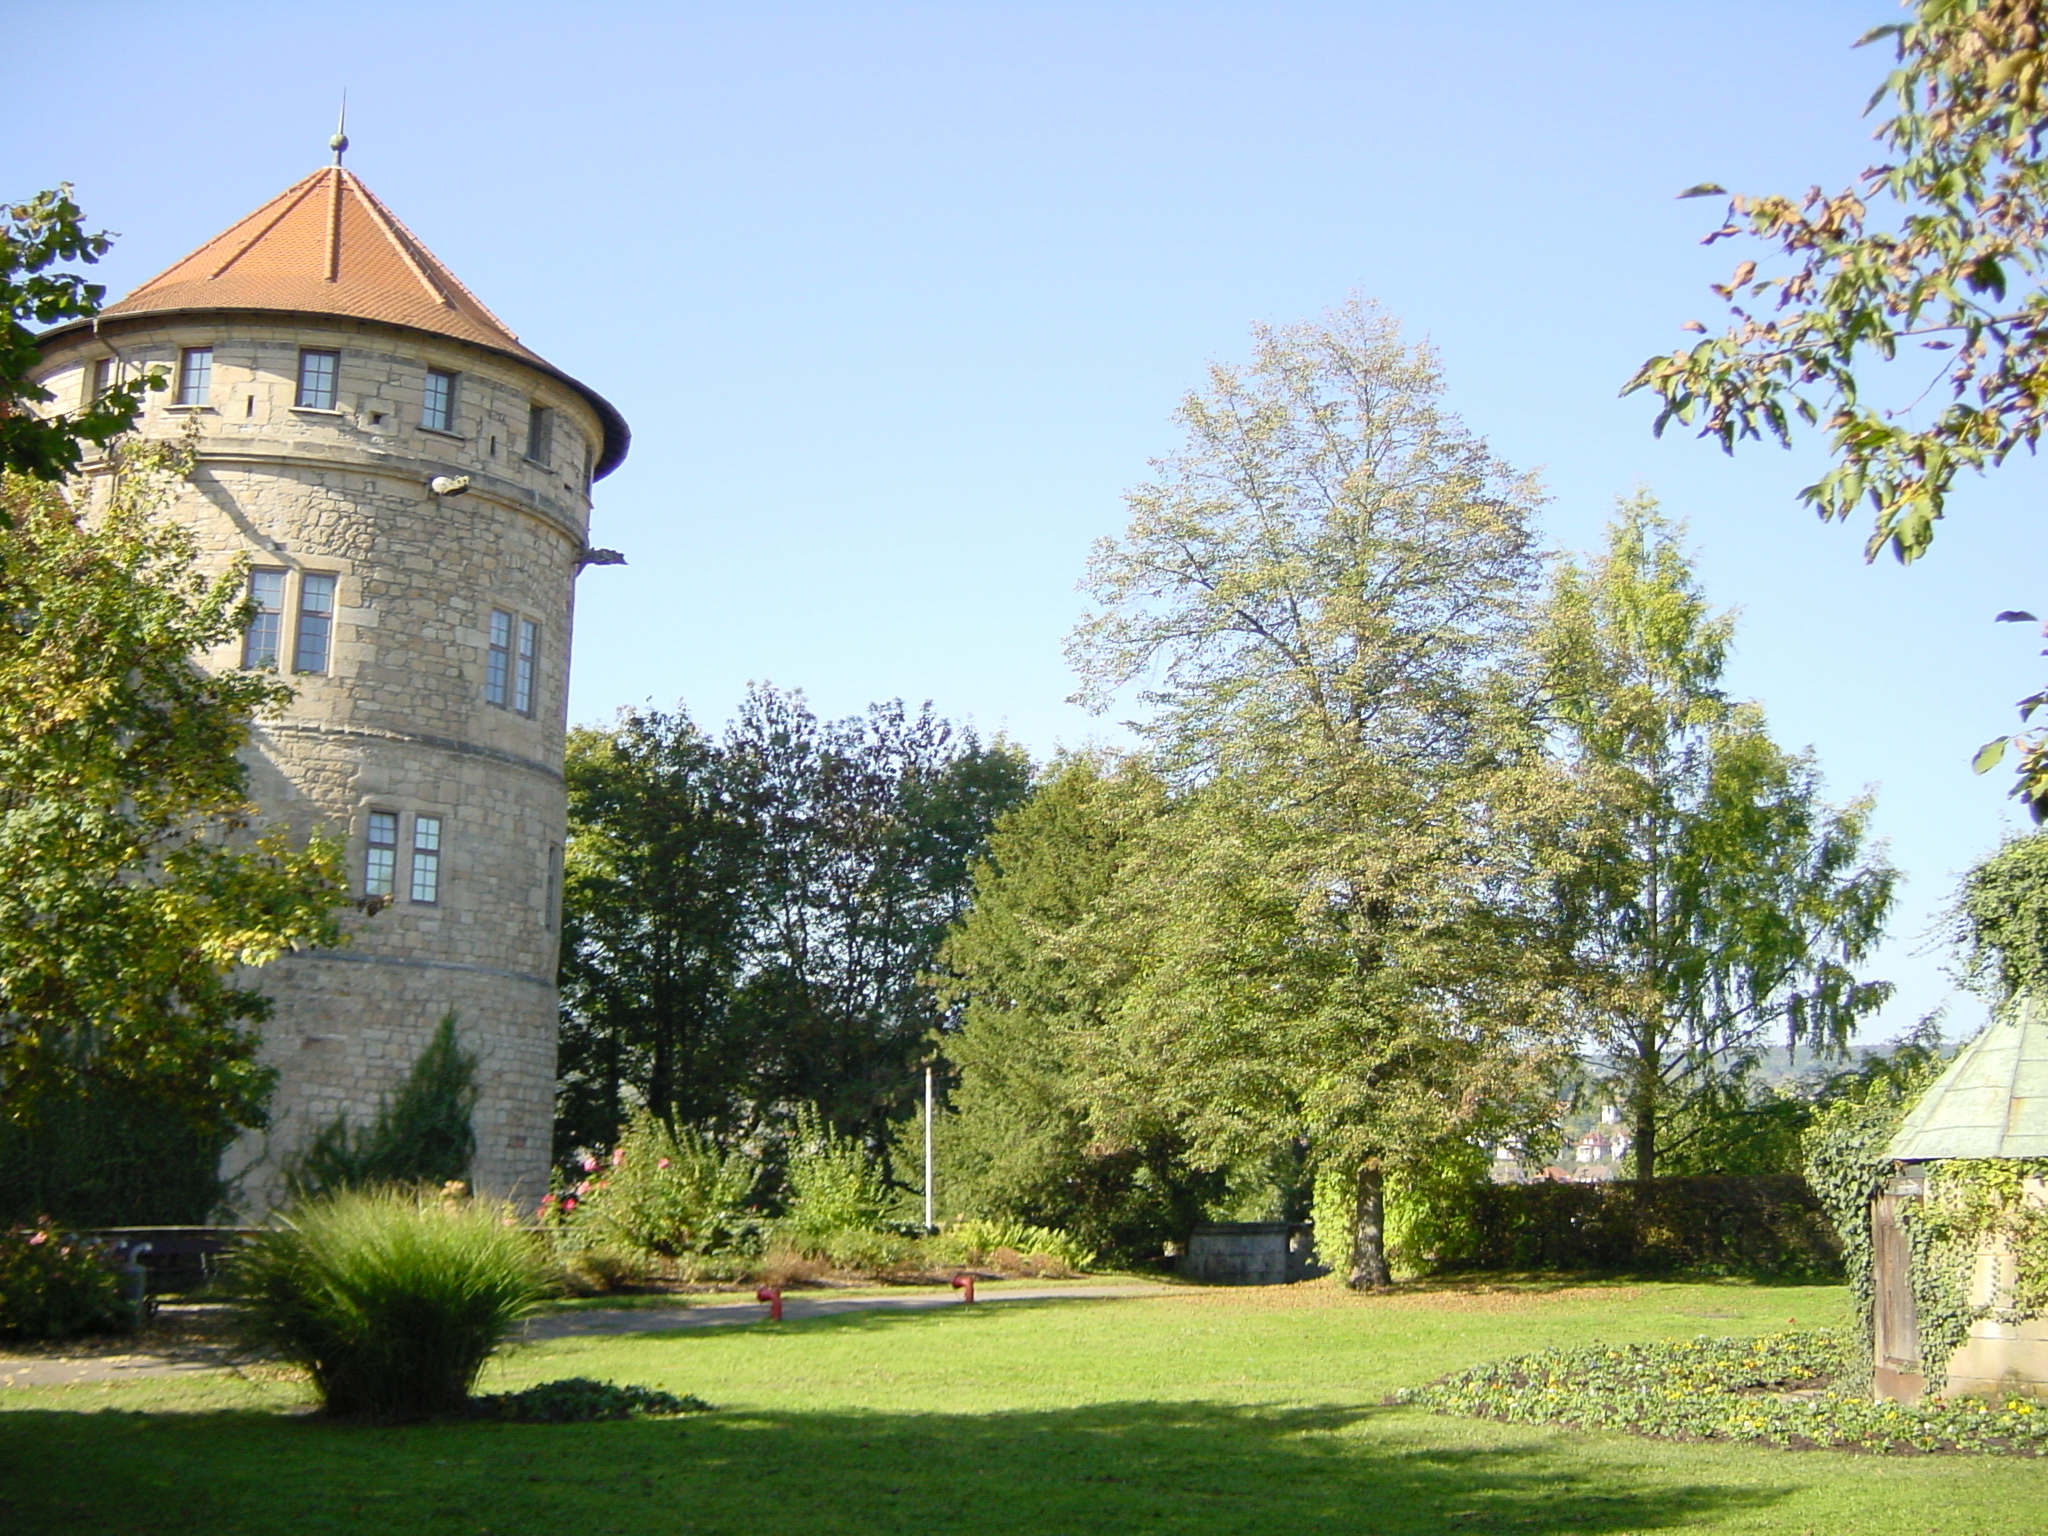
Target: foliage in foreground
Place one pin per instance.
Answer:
(133, 899)
(1777, 1389)
(391, 1300)
(53, 1286)
(580, 1400)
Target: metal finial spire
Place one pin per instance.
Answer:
(339, 143)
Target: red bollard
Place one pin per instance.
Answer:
(964, 1283)
(773, 1297)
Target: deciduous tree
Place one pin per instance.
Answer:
(1713, 898)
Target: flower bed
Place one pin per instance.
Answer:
(1778, 1389)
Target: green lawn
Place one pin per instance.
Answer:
(1208, 1411)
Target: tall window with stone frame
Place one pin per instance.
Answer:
(437, 407)
(264, 638)
(380, 854)
(540, 434)
(523, 664)
(195, 376)
(105, 373)
(319, 371)
(426, 859)
(498, 659)
(315, 639)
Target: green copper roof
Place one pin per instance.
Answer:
(1993, 1099)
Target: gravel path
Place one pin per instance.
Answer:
(74, 1370)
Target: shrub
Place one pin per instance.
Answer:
(1760, 1225)
(1039, 1249)
(53, 1286)
(579, 1400)
(835, 1194)
(391, 1299)
(422, 1135)
(663, 1191)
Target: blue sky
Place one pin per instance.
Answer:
(899, 299)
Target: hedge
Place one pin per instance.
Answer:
(1770, 1225)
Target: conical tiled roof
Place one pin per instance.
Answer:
(326, 246)
(1993, 1099)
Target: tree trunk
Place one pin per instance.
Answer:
(1643, 1132)
(1369, 1270)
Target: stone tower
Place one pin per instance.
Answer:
(411, 487)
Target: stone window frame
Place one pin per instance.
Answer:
(263, 641)
(440, 418)
(540, 434)
(512, 644)
(498, 657)
(100, 375)
(427, 846)
(380, 853)
(526, 668)
(312, 628)
(324, 394)
(195, 378)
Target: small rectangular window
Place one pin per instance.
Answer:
(380, 862)
(104, 375)
(316, 623)
(317, 372)
(426, 859)
(522, 674)
(498, 659)
(540, 434)
(195, 376)
(438, 410)
(260, 646)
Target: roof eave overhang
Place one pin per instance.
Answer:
(618, 437)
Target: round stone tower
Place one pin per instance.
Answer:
(411, 488)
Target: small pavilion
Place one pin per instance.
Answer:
(1991, 1102)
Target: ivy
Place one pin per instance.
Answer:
(1969, 1202)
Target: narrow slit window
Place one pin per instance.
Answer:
(522, 675)
(316, 624)
(498, 659)
(426, 859)
(317, 373)
(380, 859)
(265, 637)
(438, 410)
(552, 915)
(195, 376)
(540, 434)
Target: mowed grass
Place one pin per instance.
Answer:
(1201, 1411)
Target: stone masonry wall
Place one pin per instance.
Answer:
(398, 722)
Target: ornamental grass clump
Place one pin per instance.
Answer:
(390, 1299)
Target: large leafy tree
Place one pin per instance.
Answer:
(1923, 281)
(1032, 1011)
(133, 891)
(749, 918)
(35, 237)
(1319, 593)
(665, 850)
(1714, 901)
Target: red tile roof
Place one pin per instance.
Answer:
(326, 246)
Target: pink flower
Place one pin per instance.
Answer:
(661, 1162)
(618, 1156)
(583, 1188)
(568, 1203)
(590, 1165)
(37, 1239)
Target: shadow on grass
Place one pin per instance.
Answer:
(1165, 1467)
